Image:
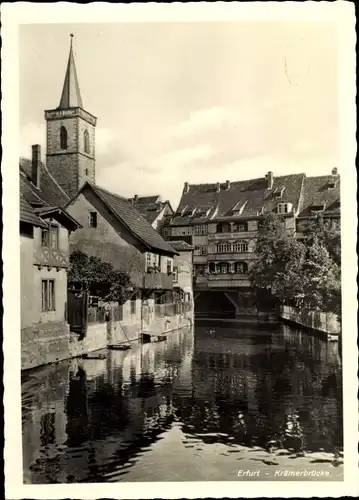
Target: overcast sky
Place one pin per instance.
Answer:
(196, 102)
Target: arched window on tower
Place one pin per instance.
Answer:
(63, 138)
(86, 142)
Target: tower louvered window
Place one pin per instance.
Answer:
(86, 142)
(63, 138)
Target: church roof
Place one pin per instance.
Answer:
(131, 218)
(71, 96)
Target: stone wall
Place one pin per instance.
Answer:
(44, 343)
(322, 322)
(51, 342)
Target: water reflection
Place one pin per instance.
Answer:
(96, 420)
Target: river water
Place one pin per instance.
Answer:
(222, 403)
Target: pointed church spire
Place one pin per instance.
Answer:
(71, 97)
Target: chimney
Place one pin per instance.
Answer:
(335, 171)
(36, 165)
(218, 187)
(186, 188)
(135, 198)
(269, 178)
(228, 185)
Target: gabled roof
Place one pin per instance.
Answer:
(317, 191)
(254, 191)
(70, 96)
(58, 214)
(27, 214)
(150, 206)
(49, 193)
(37, 203)
(131, 218)
(181, 245)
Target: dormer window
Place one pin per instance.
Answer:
(278, 193)
(332, 183)
(284, 208)
(318, 207)
(238, 208)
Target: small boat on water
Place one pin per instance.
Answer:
(119, 347)
(152, 337)
(93, 356)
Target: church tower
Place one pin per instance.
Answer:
(70, 136)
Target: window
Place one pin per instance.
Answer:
(86, 142)
(241, 268)
(149, 260)
(212, 268)
(200, 230)
(133, 307)
(169, 267)
(224, 247)
(166, 231)
(48, 295)
(240, 227)
(240, 246)
(283, 208)
(93, 219)
(50, 237)
(224, 268)
(63, 138)
(86, 171)
(200, 250)
(175, 272)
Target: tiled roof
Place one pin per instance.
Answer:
(220, 204)
(131, 218)
(181, 245)
(28, 215)
(319, 191)
(49, 192)
(149, 206)
(146, 200)
(35, 202)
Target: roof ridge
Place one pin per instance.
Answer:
(119, 196)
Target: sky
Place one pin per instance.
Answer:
(197, 102)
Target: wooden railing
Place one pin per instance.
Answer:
(158, 281)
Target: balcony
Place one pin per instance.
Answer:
(234, 235)
(50, 257)
(158, 281)
(225, 280)
(237, 256)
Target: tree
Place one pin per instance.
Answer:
(280, 259)
(304, 275)
(323, 231)
(97, 277)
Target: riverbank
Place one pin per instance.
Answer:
(51, 343)
(327, 324)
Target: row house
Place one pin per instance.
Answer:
(221, 221)
(45, 229)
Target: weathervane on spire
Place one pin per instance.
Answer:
(71, 38)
